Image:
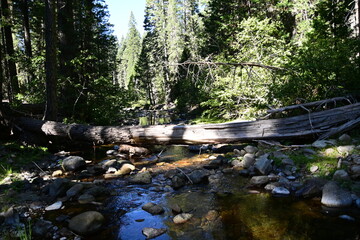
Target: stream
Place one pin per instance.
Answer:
(223, 209)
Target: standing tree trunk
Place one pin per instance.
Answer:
(50, 64)
(9, 46)
(27, 39)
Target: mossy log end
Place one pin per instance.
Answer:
(312, 125)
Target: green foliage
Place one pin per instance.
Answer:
(241, 92)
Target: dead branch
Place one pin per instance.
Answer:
(310, 104)
(244, 64)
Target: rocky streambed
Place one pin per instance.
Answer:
(264, 190)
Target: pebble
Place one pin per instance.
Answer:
(280, 191)
(314, 168)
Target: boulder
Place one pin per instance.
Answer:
(345, 150)
(86, 198)
(41, 228)
(311, 188)
(248, 161)
(341, 175)
(153, 232)
(73, 163)
(198, 176)
(182, 218)
(335, 196)
(251, 149)
(263, 164)
(74, 190)
(345, 138)
(86, 223)
(141, 178)
(153, 208)
(58, 187)
(178, 181)
(258, 181)
(355, 171)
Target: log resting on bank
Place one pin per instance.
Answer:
(312, 125)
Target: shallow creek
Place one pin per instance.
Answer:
(229, 211)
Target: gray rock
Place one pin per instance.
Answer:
(345, 138)
(279, 155)
(106, 164)
(355, 171)
(86, 223)
(178, 181)
(86, 198)
(312, 188)
(357, 202)
(251, 149)
(198, 176)
(141, 178)
(341, 175)
(153, 232)
(323, 143)
(74, 190)
(55, 206)
(182, 218)
(345, 150)
(355, 158)
(244, 172)
(287, 161)
(272, 185)
(98, 191)
(280, 191)
(41, 227)
(153, 208)
(347, 217)
(249, 160)
(334, 196)
(236, 163)
(10, 217)
(263, 164)
(58, 187)
(309, 151)
(258, 181)
(73, 163)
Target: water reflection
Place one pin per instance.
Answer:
(232, 213)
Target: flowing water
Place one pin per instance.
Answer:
(234, 212)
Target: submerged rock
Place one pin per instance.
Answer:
(182, 218)
(87, 222)
(335, 196)
(153, 208)
(141, 178)
(153, 232)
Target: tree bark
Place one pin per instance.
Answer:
(9, 46)
(312, 126)
(51, 63)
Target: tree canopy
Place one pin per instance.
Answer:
(231, 59)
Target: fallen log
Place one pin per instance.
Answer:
(311, 125)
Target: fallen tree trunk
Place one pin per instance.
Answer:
(311, 125)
